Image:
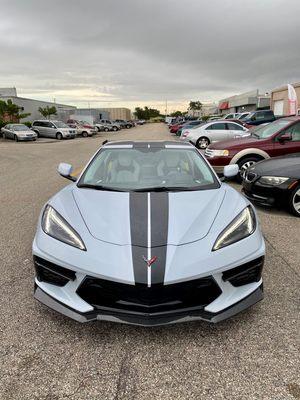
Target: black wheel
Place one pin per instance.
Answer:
(16, 138)
(244, 164)
(202, 143)
(128, 126)
(106, 129)
(59, 136)
(115, 128)
(97, 128)
(84, 134)
(294, 202)
(38, 133)
(34, 139)
(4, 136)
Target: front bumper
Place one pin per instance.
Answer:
(189, 314)
(26, 138)
(266, 195)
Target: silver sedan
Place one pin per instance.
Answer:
(18, 132)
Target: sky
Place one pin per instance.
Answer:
(128, 53)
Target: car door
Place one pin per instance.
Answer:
(217, 131)
(50, 130)
(235, 130)
(289, 146)
(40, 127)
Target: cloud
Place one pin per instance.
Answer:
(136, 52)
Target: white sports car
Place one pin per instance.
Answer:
(148, 235)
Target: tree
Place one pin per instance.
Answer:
(176, 114)
(47, 111)
(195, 106)
(12, 111)
(146, 113)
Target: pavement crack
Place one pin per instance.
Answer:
(124, 373)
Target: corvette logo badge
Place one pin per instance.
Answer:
(151, 261)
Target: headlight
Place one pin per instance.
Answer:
(218, 153)
(242, 226)
(56, 226)
(272, 180)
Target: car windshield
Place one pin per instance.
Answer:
(60, 124)
(144, 169)
(269, 130)
(20, 128)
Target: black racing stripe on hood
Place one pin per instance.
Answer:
(138, 208)
(159, 235)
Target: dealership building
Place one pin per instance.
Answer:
(249, 101)
(279, 99)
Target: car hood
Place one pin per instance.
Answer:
(175, 218)
(288, 166)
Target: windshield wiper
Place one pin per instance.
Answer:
(254, 134)
(164, 189)
(100, 187)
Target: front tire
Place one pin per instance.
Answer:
(106, 129)
(244, 164)
(202, 143)
(59, 136)
(84, 134)
(294, 202)
(16, 138)
(115, 129)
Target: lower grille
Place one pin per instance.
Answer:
(48, 272)
(140, 298)
(246, 273)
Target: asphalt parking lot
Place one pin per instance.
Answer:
(43, 355)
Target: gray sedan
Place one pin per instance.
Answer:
(18, 132)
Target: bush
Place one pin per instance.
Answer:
(2, 123)
(27, 123)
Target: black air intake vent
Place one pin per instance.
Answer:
(48, 272)
(246, 273)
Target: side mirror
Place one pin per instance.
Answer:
(65, 170)
(285, 137)
(231, 170)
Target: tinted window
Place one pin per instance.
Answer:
(219, 125)
(295, 131)
(139, 169)
(235, 127)
(47, 124)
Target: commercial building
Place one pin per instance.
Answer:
(244, 102)
(91, 115)
(32, 106)
(118, 113)
(208, 108)
(279, 99)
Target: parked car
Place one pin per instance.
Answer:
(106, 125)
(278, 138)
(53, 129)
(259, 117)
(204, 263)
(188, 125)
(213, 131)
(124, 124)
(275, 182)
(18, 132)
(232, 116)
(243, 115)
(174, 128)
(214, 118)
(83, 128)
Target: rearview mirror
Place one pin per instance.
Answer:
(231, 170)
(285, 137)
(65, 170)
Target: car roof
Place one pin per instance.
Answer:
(144, 144)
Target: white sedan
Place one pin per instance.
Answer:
(213, 131)
(18, 132)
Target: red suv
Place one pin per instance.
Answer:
(276, 139)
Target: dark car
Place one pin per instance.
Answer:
(279, 138)
(275, 182)
(124, 124)
(259, 117)
(187, 125)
